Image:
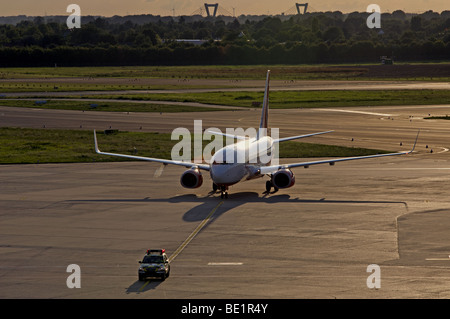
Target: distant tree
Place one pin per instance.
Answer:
(315, 25)
(416, 23)
(353, 24)
(333, 34)
(203, 33)
(144, 39)
(407, 37)
(235, 25)
(399, 14)
(151, 35)
(447, 39)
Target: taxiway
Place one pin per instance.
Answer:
(314, 240)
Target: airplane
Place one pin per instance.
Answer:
(225, 172)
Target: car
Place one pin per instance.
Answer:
(154, 264)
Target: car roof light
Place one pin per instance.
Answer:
(155, 251)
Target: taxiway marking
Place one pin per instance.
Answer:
(143, 286)
(194, 233)
(357, 112)
(432, 259)
(225, 264)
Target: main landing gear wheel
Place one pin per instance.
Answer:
(269, 186)
(215, 187)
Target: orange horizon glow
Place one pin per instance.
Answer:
(189, 7)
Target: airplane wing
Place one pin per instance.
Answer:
(228, 135)
(275, 140)
(273, 168)
(205, 167)
(298, 136)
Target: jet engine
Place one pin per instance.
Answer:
(191, 179)
(283, 178)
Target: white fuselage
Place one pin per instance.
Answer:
(241, 160)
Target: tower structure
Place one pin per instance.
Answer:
(215, 6)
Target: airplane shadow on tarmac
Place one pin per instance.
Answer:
(210, 202)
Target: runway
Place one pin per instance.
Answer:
(314, 240)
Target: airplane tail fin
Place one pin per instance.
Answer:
(264, 124)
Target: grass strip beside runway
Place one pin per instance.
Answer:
(106, 106)
(301, 99)
(32, 146)
(247, 99)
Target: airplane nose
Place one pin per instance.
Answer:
(227, 174)
(219, 173)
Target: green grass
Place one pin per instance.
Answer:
(278, 100)
(184, 72)
(30, 86)
(31, 146)
(33, 86)
(112, 106)
(303, 99)
(234, 72)
(20, 145)
(26, 86)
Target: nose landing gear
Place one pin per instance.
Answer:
(223, 190)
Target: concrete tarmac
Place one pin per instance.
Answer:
(314, 240)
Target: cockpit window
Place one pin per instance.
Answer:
(228, 156)
(219, 163)
(220, 159)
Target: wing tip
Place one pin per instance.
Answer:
(96, 143)
(415, 142)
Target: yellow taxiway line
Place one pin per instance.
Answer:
(194, 233)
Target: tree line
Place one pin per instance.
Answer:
(328, 37)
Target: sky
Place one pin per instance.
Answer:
(109, 8)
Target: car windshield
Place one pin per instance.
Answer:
(153, 259)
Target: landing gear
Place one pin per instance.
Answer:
(269, 186)
(223, 192)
